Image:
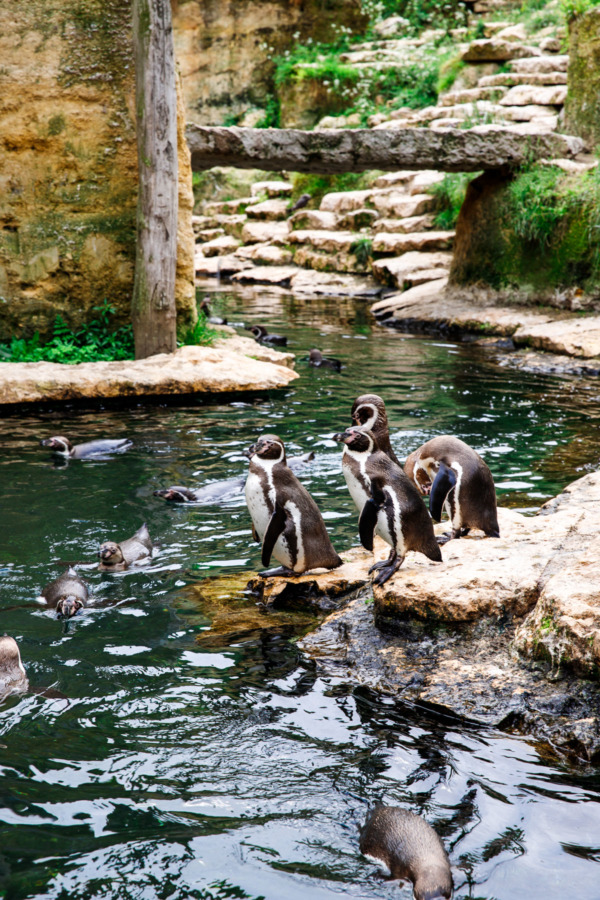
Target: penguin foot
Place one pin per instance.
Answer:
(279, 572)
(444, 538)
(380, 565)
(386, 573)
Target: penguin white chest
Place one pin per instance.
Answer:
(260, 499)
(259, 506)
(356, 477)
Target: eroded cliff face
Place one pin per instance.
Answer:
(68, 167)
(226, 47)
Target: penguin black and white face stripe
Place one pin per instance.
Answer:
(269, 447)
(357, 440)
(58, 444)
(365, 414)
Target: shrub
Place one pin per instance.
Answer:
(362, 250)
(200, 334)
(536, 203)
(573, 8)
(450, 194)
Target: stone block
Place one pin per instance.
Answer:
(272, 189)
(254, 232)
(421, 241)
(525, 95)
(397, 205)
(496, 50)
(541, 64)
(268, 211)
(344, 201)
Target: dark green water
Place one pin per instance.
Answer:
(185, 748)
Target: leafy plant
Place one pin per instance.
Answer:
(536, 203)
(272, 114)
(200, 334)
(448, 73)
(573, 8)
(362, 250)
(450, 195)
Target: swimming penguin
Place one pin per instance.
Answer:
(263, 337)
(117, 557)
(369, 411)
(213, 320)
(388, 502)
(408, 848)
(64, 447)
(284, 515)
(221, 491)
(455, 476)
(68, 594)
(12, 672)
(316, 358)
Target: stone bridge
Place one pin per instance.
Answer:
(362, 149)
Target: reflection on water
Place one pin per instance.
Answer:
(176, 744)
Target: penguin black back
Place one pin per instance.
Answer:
(368, 411)
(409, 848)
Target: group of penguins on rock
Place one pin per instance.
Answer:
(288, 523)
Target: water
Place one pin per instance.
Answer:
(176, 743)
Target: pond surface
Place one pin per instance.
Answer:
(176, 743)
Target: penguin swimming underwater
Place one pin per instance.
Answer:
(388, 502)
(284, 515)
(455, 476)
(409, 848)
(369, 412)
(67, 594)
(264, 337)
(13, 677)
(64, 447)
(115, 557)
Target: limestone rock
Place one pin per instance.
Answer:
(422, 241)
(253, 232)
(325, 241)
(493, 93)
(573, 337)
(227, 207)
(421, 276)
(345, 201)
(512, 33)
(358, 218)
(189, 370)
(423, 294)
(219, 266)
(340, 261)
(268, 210)
(424, 180)
(394, 271)
(333, 284)
(270, 255)
(280, 275)
(510, 79)
(220, 246)
(208, 234)
(550, 45)
(393, 179)
(402, 206)
(540, 64)
(404, 226)
(523, 95)
(272, 188)
(308, 219)
(496, 50)
(233, 225)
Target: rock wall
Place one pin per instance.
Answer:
(226, 49)
(68, 169)
(582, 107)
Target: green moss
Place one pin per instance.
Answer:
(362, 249)
(450, 195)
(319, 185)
(56, 124)
(448, 73)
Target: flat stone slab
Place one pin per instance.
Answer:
(523, 95)
(497, 50)
(333, 284)
(272, 188)
(259, 232)
(281, 275)
(420, 240)
(269, 210)
(402, 206)
(395, 270)
(227, 367)
(574, 337)
(217, 266)
(540, 64)
(325, 241)
(313, 219)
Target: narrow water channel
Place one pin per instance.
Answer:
(175, 743)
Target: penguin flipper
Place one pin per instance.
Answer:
(274, 530)
(443, 483)
(367, 523)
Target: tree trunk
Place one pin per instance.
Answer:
(153, 304)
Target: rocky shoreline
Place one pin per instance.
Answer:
(504, 632)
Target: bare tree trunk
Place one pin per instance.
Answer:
(153, 305)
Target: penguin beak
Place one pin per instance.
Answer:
(105, 554)
(250, 451)
(47, 442)
(339, 437)
(68, 607)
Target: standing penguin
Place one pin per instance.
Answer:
(455, 476)
(284, 515)
(369, 411)
(12, 673)
(116, 557)
(409, 848)
(388, 502)
(68, 594)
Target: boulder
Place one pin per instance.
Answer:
(422, 241)
(496, 50)
(280, 275)
(255, 232)
(313, 219)
(268, 210)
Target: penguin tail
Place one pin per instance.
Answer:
(433, 552)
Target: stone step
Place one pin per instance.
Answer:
(313, 219)
(217, 266)
(266, 254)
(207, 234)
(424, 180)
(279, 275)
(511, 79)
(404, 226)
(269, 210)
(395, 270)
(272, 189)
(227, 207)
(220, 246)
(357, 219)
(550, 45)
(259, 232)
(344, 201)
(446, 124)
(326, 241)
(421, 240)
(523, 95)
(529, 113)
(423, 276)
(399, 206)
(542, 64)
(393, 179)
(496, 50)
(203, 222)
(422, 293)
(309, 258)
(471, 94)
(232, 225)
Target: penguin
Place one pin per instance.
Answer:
(369, 411)
(284, 515)
(388, 502)
(13, 677)
(300, 203)
(117, 557)
(455, 476)
(408, 848)
(317, 359)
(220, 491)
(263, 337)
(68, 594)
(213, 320)
(65, 448)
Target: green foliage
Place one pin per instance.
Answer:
(362, 250)
(450, 194)
(201, 334)
(536, 203)
(319, 185)
(573, 8)
(272, 116)
(421, 14)
(98, 341)
(448, 73)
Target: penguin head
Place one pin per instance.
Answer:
(68, 606)
(360, 440)
(257, 330)
(11, 667)
(173, 495)
(110, 553)
(270, 447)
(58, 444)
(369, 411)
(315, 356)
